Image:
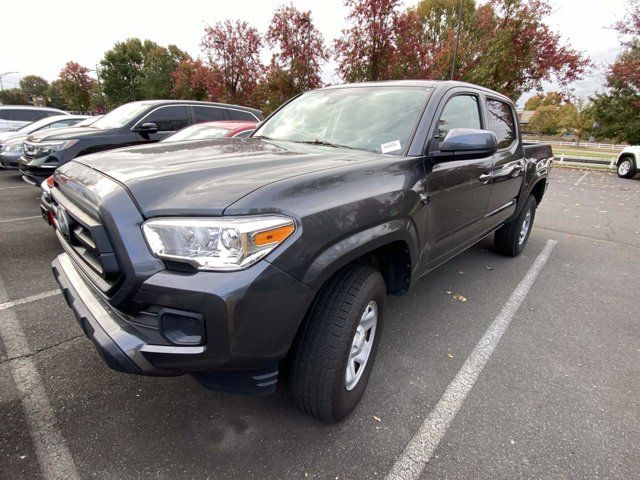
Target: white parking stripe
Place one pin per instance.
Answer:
(32, 298)
(18, 219)
(418, 452)
(54, 457)
(580, 179)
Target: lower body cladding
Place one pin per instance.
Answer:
(229, 329)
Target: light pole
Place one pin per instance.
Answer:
(2, 75)
(307, 22)
(224, 70)
(99, 88)
(455, 51)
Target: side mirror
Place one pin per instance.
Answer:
(469, 141)
(147, 128)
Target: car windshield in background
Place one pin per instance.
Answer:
(32, 127)
(197, 132)
(120, 116)
(377, 119)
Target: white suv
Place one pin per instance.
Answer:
(628, 162)
(13, 117)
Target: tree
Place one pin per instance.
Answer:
(578, 118)
(120, 72)
(76, 86)
(233, 47)
(13, 96)
(547, 120)
(54, 95)
(300, 49)
(34, 86)
(195, 81)
(617, 110)
(504, 44)
(139, 70)
(367, 46)
(544, 99)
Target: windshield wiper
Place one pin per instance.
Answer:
(324, 143)
(263, 137)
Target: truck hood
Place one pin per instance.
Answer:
(204, 177)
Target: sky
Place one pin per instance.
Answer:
(52, 33)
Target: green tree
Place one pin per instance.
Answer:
(578, 118)
(544, 99)
(34, 86)
(617, 110)
(54, 96)
(13, 96)
(139, 70)
(547, 120)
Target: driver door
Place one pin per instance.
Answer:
(458, 191)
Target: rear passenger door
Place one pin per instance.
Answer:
(203, 113)
(508, 162)
(458, 189)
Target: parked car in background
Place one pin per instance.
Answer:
(89, 121)
(13, 117)
(46, 206)
(130, 124)
(206, 130)
(225, 259)
(628, 162)
(11, 142)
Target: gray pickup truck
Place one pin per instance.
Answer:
(230, 259)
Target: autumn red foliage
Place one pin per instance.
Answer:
(233, 48)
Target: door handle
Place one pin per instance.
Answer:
(485, 177)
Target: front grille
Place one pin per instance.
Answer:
(84, 237)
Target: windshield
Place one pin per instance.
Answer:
(37, 125)
(197, 132)
(121, 116)
(377, 119)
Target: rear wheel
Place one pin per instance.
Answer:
(626, 167)
(512, 237)
(336, 349)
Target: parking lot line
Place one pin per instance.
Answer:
(18, 219)
(32, 298)
(418, 452)
(54, 457)
(580, 179)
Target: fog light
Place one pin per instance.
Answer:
(182, 328)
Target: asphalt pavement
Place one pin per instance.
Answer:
(558, 397)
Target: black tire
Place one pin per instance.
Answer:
(507, 238)
(627, 167)
(322, 349)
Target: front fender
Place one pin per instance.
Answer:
(350, 248)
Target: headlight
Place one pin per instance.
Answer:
(225, 243)
(11, 148)
(45, 148)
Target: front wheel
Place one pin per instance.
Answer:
(336, 349)
(511, 238)
(626, 168)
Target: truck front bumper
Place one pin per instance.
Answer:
(250, 317)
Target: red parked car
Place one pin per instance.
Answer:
(219, 129)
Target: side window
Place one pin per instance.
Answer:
(241, 115)
(208, 114)
(29, 115)
(63, 123)
(168, 119)
(501, 122)
(461, 111)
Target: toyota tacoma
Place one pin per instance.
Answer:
(228, 259)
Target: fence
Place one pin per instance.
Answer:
(571, 160)
(601, 146)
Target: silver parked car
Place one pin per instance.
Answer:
(13, 117)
